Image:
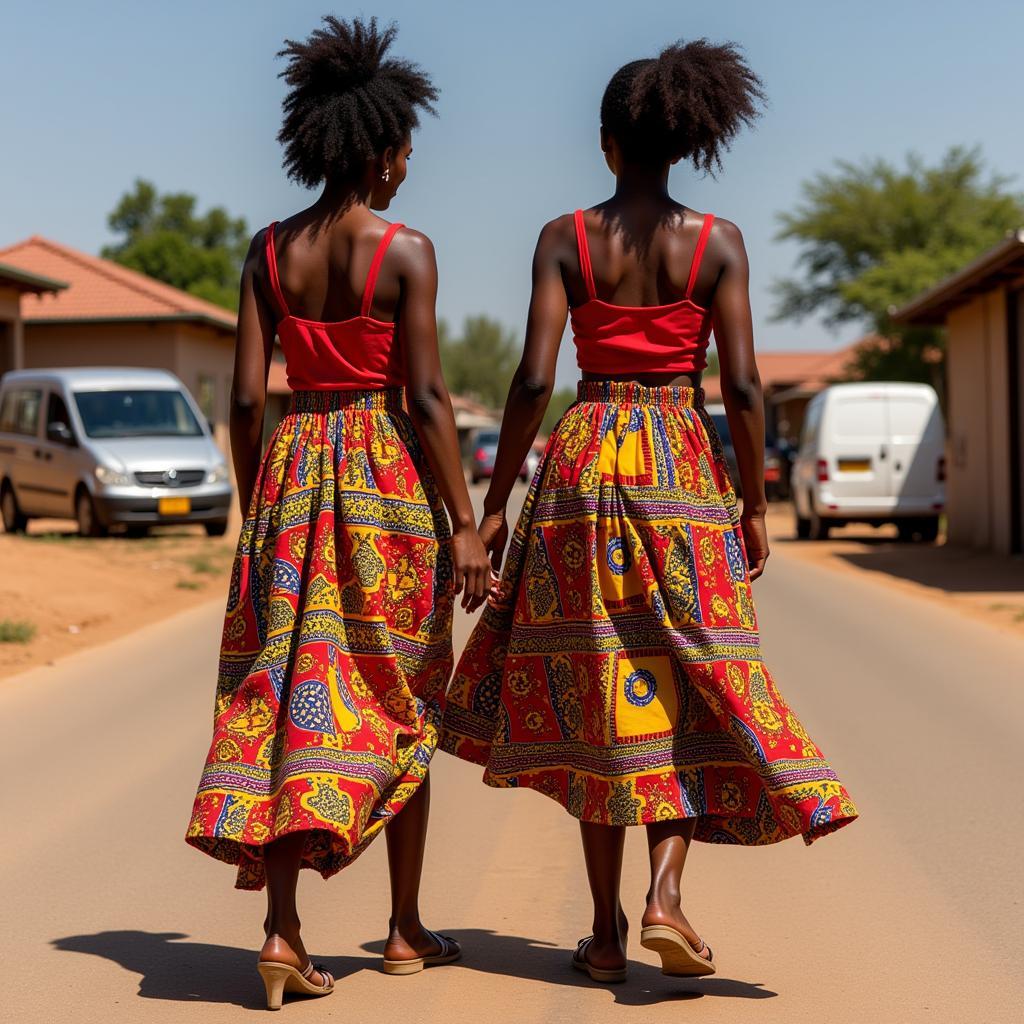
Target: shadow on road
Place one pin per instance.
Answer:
(192, 971)
(952, 568)
(518, 957)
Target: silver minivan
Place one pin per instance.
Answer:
(108, 447)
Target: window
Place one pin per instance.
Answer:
(20, 411)
(809, 435)
(57, 411)
(206, 397)
(136, 414)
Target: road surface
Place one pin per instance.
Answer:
(911, 914)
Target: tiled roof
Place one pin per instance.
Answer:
(100, 289)
(812, 370)
(23, 281)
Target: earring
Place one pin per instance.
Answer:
(386, 176)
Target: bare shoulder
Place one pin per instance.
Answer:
(556, 236)
(413, 250)
(725, 234)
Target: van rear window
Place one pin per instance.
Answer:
(136, 414)
(19, 413)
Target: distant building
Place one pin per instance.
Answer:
(14, 283)
(982, 308)
(98, 313)
(790, 380)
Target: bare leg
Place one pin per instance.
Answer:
(668, 843)
(282, 859)
(602, 850)
(406, 836)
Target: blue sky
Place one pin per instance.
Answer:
(186, 94)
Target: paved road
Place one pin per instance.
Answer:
(911, 914)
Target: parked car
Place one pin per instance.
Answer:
(108, 446)
(485, 447)
(871, 453)
(776, 475)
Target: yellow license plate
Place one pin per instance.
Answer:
(854, 465)
(174, 506)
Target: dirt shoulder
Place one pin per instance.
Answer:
(984, 586)
(60, 593)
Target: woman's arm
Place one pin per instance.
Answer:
(431, 410)
(741, 387)
(254, 347)
(531, 387)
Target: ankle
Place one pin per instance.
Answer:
(405, 923)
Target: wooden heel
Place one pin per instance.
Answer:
(274, 977)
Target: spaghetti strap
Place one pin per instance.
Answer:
(698, 253)
(584, 250)
(275, 280)
(378, 259)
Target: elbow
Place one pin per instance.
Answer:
(245, 405)
(533, 389)
(743, 392)
(424, 404)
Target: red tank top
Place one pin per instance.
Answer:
(614, 340)
(343, 355)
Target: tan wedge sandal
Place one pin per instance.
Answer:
(677, 955)
(449, 952)
(281, 978)
(579, 961)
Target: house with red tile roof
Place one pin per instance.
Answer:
(790, 380)
(89, 311)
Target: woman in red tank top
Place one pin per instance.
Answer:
(617, 665)
(337, 640)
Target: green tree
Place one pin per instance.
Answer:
(873, 235)
(560, 401)
(163, 236)
(479, 363)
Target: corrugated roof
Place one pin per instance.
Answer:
(101, 290)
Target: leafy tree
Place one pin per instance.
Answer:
(560, 401)
(164, 237)
(873, 235)
(480, 362)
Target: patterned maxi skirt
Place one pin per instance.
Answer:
(618, 670)
(337, 639)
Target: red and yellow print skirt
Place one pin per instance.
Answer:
(619, 670)
(337, 639)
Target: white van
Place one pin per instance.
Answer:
(871, 453)
(108, 446)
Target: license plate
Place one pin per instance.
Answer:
(853, 465)
(174, 506)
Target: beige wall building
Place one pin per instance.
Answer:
(14, 283)
(108, 315)
(982, 308)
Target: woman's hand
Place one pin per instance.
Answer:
(755, 538)
(494, 535)
(472, 568)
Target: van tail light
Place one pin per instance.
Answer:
(822, 471)
(480, 455)
(940, 469)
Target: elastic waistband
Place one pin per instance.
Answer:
(628, 392)
(330, 401)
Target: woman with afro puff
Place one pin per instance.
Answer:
(617, 665)
(337, 638)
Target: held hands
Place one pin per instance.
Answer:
(472, 569)
(755, 538)
(493, 535)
